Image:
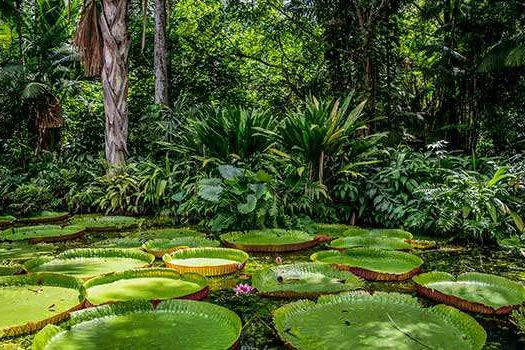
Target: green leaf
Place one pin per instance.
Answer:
(249, 206)
(229, 171)
(210, 189)
(518, 221)
(258, 189)
(221, 222)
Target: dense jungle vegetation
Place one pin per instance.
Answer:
(242, 114)
(262, 174)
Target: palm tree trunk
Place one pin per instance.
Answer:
(160, 60)
(115, 78)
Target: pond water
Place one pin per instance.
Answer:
(256, 311)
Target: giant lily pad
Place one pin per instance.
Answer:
(14, 269)
(105, 223)
(334, 230)
(159, 247)
(42, 233)
(380, 321)
(29, 302)
(174, 324)
(6, 221)
(373, 264)
(121, 242)
(87, 263)
(24, 251)
(513, 242)
(170, 233)
(43, 217)
(385, 233)
(304, 280)
(150, 284)
(207, 261)
(390, 243)
(472, 291)
(270, 240)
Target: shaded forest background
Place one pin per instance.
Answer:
(443, 82)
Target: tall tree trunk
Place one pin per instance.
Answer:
(161, 54)
(19, 13)
(115, 78)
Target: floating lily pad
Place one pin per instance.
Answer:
(87, 263)
(472, 291)
(304, 280)
(159, 247)
(29, 302)
(42, 233)
(270, 240)
(373, 264)
(8, 270)
(44, 217)
(123, 242)
(170, 233)
(24, 251)
(380, 321)
(174, 324)
(149, 284)
(106, 223)
(511, 243)
(389, 243)
(334, 230)
(353, 231)
(207, 261)
(6, 221)
(391, 233)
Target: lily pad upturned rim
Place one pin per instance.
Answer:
(259, 280)
(471, 329)
(106, 223)
(46, 279)
(334, 230)
(38, 218)
(388, 243)
(378, 232)
(424, 279)
(145, 273)
(93, 253)
(62, 233)
(207, 252)
(369, 274)
(169, 233)
(119, 242)
(304, 241)
(159, 247)
(6, 221)
(10, 270)
(224, 316)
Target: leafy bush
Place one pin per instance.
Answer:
(473, 205)
(238, 198)
(227, 134)
(327, 135)
(31, 197)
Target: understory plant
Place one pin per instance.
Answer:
(327, 136)
(473, 205)
(237, 198)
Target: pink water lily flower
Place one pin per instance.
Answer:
(243, 289)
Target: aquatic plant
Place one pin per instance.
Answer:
(176, 324)
(383, 320)
(472, 291)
